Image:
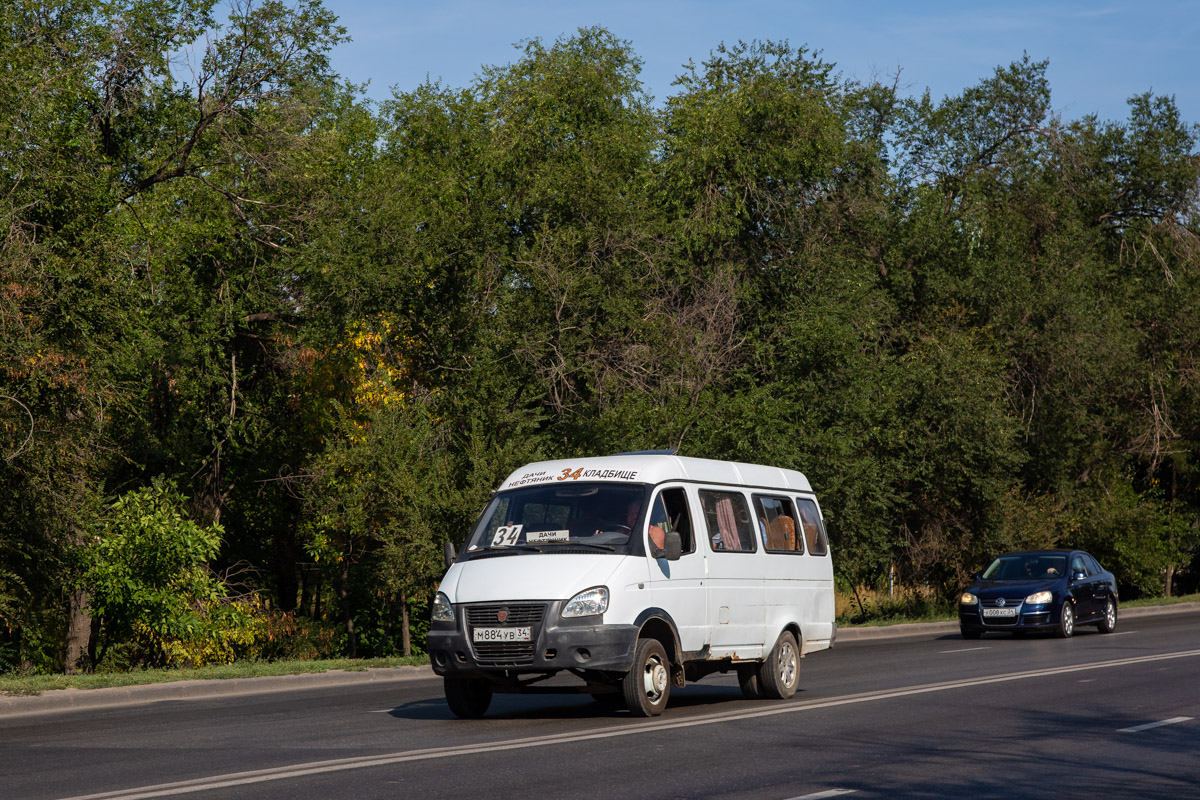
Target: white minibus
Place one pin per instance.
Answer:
(635, 573)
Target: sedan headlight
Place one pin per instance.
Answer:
(587, 603)
(1039, 598)
(442, 610)
(968, 599)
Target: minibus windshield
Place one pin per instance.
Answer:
(578, 517)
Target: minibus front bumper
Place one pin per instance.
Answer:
(491, 638)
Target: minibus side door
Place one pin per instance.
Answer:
(677, 587)
(736, 611)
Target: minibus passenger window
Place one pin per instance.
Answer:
(777, 525)
(814, 531)
(728, 521)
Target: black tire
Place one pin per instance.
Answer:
(1066, 621)
(970, 633)
(468, 698)
(609, 701)
(648, 684)
(1108, 623)
(748, 680)
(779, 675)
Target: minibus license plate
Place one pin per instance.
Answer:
(999, 612)
(502, 634)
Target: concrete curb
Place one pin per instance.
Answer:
(78, 699)
(75, 699)
(931, 628)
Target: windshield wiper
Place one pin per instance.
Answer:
(607, 547)
(499, 551)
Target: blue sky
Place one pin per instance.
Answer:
(1100, 52)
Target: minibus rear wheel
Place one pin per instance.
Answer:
(648, 684)
(748, 679)
(780, 673)
(468, 698)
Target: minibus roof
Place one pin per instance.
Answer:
(654, 469)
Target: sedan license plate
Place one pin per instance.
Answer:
(502, 634)
(999, 612)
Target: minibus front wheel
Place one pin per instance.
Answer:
(468, 698)
(648, 684)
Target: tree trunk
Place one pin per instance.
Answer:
(79, 634)
(347, 617)
(405, 638)
(287, 578)
(1169, 578)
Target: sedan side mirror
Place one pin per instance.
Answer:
(1078, 576)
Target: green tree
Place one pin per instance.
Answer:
(150, 584)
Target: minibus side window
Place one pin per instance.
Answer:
(777, 525)
(728, 521)
(814, 531)
(670, 513)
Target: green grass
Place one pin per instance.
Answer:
(901, 619)
(1161, 601)
(36, 684)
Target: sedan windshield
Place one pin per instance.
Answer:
(1026, 567)
(569, 518)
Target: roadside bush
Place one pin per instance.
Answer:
(287, 636)
(151, 587)
(862, 605)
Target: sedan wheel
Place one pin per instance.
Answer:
(1066, 621)
(1109, 623)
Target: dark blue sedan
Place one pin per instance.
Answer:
(1047, 590)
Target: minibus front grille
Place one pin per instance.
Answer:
(515, 614)
(506, 654)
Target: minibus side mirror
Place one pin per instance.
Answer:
(448, 553)
(672, 546)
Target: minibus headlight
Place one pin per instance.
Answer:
(587, 603)
(442, 610)
(1038, 598)
(968, 599)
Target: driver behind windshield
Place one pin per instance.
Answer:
(606, 511)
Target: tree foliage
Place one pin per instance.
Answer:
(335, 326)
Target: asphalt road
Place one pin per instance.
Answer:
(923, 716)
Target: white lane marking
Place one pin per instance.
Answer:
(630, 729)
(1149, 725)
(822, 795)
(1121, 633)
(965, 650)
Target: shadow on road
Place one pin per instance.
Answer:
(711, 697)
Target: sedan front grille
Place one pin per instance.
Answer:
(1008, 602)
